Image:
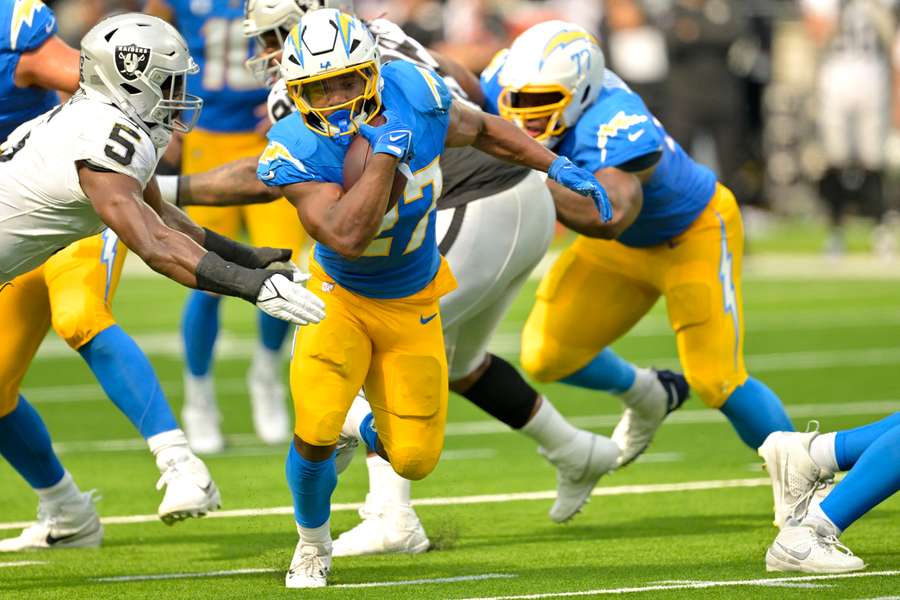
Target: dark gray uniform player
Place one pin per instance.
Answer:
(492, 246)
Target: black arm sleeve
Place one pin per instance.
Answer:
(214, 274)
(242, 254)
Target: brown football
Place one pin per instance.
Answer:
(358, 155)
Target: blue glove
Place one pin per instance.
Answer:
(564, 172)
(393, 137)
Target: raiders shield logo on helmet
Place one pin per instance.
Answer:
(131, 60)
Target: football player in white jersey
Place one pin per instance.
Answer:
(494, 222)
(72, 171)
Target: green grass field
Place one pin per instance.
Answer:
(830, 348)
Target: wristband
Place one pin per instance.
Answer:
(217, 275)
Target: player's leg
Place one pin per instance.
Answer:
(872, 455)
(329, 364)
(81, 282)
(201, 152)
(595, 292)
(66, 516)
(274, 224)
(705, 305)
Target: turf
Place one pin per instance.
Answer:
(828, 347)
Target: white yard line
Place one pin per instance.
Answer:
(620, 490)
(695, 585)
(232, 572)
(22, 563)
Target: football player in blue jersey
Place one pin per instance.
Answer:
(376, 265)
(227, 130)
(686, 243)
(812, 514)
(76, 287)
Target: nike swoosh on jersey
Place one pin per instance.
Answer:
(632, 137)
(396, 136)
(794, 553)
(425, 320)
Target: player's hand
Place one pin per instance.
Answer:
(289, 301)
(563, 171)
(271, 258)
(393, 137)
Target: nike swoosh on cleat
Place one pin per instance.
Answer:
(51, 539)
(794, 553)
(425, 320)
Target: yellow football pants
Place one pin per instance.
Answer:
(72, 291)
(395, 349)
(274, 224)
(598, 290)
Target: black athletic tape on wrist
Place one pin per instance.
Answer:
(231, 250)
(217, 275)
(503, 393)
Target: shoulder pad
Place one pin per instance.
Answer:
(29, 24)
(423, 89)
(111, 140)
(617, 128)
(291, 155)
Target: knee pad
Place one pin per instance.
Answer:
(713, 391)
(413, 463)
(9, 400)
(539, 358)
(78, 320)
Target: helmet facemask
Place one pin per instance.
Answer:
(265, 63)
(175, 102)
(358, 82)
(534, 102)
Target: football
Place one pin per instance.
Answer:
(355, 160)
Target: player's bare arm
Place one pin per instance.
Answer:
(231, 184)
(52, 66)
(346, 221)
(579, 214)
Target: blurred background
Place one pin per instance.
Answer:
(794, 103)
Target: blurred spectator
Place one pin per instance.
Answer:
(853, 92)
(473, 32)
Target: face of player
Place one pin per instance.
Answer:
(334, 91)
(535, 126)
(271, 43)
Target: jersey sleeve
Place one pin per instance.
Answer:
(424, 90)
(490, 82)
(116, 144)
(285, 161)
(615, 131)
(31, 24)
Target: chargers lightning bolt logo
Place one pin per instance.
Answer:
(729, 297)
(563, 39)
(22, 14)
(108, 256)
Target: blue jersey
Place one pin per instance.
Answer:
(618, 128)
(214, 33)
(24, 25)
(403, 258)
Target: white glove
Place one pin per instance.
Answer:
(168, 187)
(283, 299)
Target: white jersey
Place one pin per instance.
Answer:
(42, 206)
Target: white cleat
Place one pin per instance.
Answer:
(797, 481)
(190, 491)
(267, 399)
(200, 416)
(70, 524)
(803, 549)
(309, 566)
(579, 466)
(646, 413)
(383, 530)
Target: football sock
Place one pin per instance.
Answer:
(755, 411)
(359, 410)
(316, 535)
(61, 491)
(874, 478)
(25, 444)
(820, 522)
(850, 444)
(367, 432)
(312, 484)
(644, 379)
(385, 484)
(129, 380)
(199, 330)
(169, 445)
(606, 372)
(822, 451)
(549, 428)
(267, 361)
(272, 331)
(503, 393)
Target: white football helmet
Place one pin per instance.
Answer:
(263, 18)
(555, 58)
(326, 49)
(140, 63)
